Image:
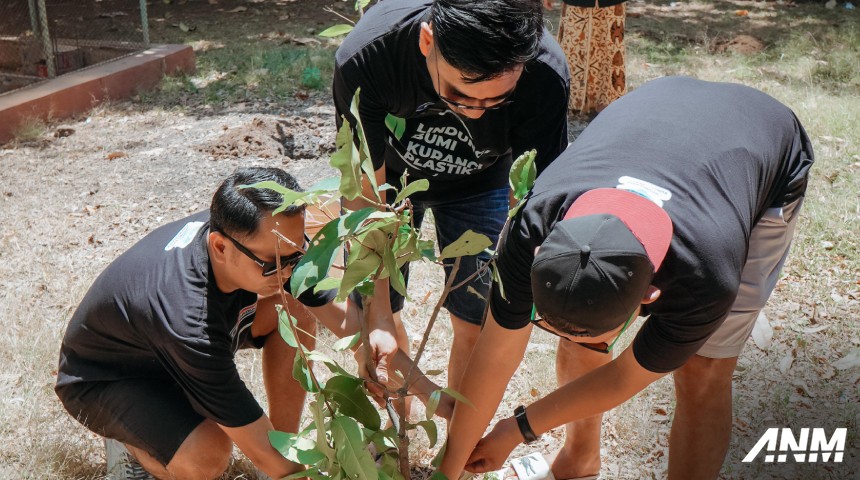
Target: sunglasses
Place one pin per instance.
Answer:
(270, 268)
(601, 347)
(451, 103)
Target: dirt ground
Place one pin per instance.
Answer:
(89, 188)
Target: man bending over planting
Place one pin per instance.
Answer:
(685, 217)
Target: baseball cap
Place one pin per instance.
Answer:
(595, 266)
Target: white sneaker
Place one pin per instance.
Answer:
(121, 464)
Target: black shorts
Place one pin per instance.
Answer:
(151, 414)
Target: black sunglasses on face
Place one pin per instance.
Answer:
(503, 103)
(270, 268)
(601, 347)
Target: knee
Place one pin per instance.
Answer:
(204, 455)
(704, 379)
(465, 332)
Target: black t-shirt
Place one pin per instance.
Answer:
(715, 155)
(408, 127)
(155, 312)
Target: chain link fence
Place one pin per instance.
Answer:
(41, 39)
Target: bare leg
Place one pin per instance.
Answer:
(702, 426)
(205, 454)
(580, 454)
(465, 336)
(286, 397)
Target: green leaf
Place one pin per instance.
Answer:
(361, 4)
(362, 263)
(497, 280)
(351, 450)
(437, 460)
(295, 448)
(457, 396)
(434, 372)
(346, 160)
(290, 197)
(325, 185)
(395, 275)
(523, 173)
(346, 343)
(347, 393)
(316, 408)
(470, 243)
(364, 161)
(429, 426)
(284, 322)
(438, 476)
(432, 404)
(328, 283)
(303, 374)
(321, 254)
(365, 289)
(336, 30)
(427, 249)
(513, 211)
(396, 125)
(420, 185)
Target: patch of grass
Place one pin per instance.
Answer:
(30, 130)
(249, 71)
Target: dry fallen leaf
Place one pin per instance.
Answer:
(852, 360)
(238, 10)
(815, 329)
(762, 332)
(785, 363)
(742, 13)
(115, 155)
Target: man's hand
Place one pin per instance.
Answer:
(383, 347)
(549, 4)
(492, 451)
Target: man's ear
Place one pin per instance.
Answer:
(217, 248)
(425, 39)
(651, 295)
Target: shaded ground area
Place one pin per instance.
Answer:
(75, 195)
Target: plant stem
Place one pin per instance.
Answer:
(436, 309)
(330, 10)
(403, 438)
(468, 279)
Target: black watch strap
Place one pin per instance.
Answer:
(523, 422)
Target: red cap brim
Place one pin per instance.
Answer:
(649, 223)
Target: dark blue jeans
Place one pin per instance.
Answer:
(484, 213)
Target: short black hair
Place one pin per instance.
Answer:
(238, 211)
(486, 38)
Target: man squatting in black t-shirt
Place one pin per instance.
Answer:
(451, 91)
(678, 202)
(148, 357)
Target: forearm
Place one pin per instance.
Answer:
(253, 441)
(493, 362)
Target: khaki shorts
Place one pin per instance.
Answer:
(770, 242)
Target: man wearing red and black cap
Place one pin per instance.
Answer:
(679, 203)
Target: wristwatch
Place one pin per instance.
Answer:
(523, 422)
